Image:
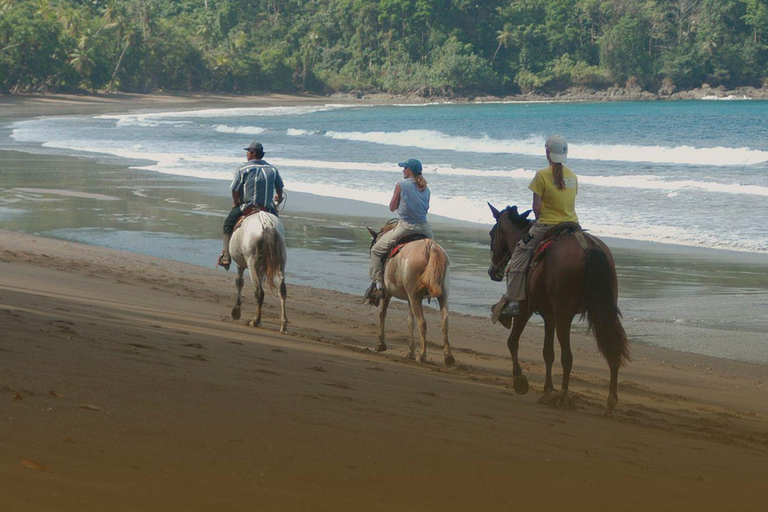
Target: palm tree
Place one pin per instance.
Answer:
(504, 37)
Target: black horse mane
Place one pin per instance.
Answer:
(518, 220)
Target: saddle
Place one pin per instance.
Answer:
(247, 213)
(552, 234)
(402, 241)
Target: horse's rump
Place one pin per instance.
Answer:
(437, 264)
(271, 249)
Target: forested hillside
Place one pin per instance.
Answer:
(427, 47)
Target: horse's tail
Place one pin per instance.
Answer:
(434, 274)
(271, 254)
(603, 312)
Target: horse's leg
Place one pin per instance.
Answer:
(418, 312)
(381, 346)
(411, 343)
(447, 355)
(283, 295)
(549, 357)
(519, 381)
(258, 293)
(239, 281)
(563, 327)
(613, 395)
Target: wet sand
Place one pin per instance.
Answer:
(126, 385)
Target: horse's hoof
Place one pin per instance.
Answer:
(284, 329)
(255, 323)
(564, 402)
(548, 398)
(381, 347)
(612, 401)
(235, 313)
(449, 360)
(422, 358)
(520, 383)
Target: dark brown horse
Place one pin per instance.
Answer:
(567, 281)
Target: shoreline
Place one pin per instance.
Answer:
(18, 105)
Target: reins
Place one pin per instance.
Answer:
(495, 242)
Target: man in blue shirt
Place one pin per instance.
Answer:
(256, 184)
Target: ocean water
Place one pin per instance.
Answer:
(686, 173)
(691, 173)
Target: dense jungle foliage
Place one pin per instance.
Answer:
(427, 47)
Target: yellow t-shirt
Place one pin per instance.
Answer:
(556, 205)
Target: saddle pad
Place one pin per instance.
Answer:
(402, 241)
(247, 213)
(542, 249)
(410, 238)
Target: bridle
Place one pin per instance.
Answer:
(500, 268)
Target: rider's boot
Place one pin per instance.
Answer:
(504, 311)
(374, 293)
(225, 260)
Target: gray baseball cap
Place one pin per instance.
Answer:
(256, 147)
(557, 147)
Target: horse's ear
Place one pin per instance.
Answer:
(525, 214)
(373, 233)
(494, 211)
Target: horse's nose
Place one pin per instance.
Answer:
(494, 274)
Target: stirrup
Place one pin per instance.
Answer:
(373, 295)
(225, 260)
(503, 312)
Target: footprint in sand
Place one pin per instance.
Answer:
(338, 384)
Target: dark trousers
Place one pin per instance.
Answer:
(231, 220)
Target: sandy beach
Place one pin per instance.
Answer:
(125, 385)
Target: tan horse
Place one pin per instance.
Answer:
(259, 246)
(420, 269)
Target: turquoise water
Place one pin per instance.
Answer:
(692, 173)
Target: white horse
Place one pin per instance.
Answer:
(420, 269)
(259, 245)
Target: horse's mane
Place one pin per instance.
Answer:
(514, 217)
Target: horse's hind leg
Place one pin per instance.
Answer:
(418, 312)
(549, 358)
(283, 295)
(239, 281)
(519, 381)
(447, 355)
(566, 359)
(258, 293)
(381, 346)
(613, 397)
(411, 342)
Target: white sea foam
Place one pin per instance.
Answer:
(436, 140)
(297, 132)
(473, 210)
(249, 130)
(730, 97)
(141, 119)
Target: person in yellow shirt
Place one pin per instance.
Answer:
(554, 201)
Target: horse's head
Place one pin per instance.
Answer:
(375, 235)
(504, 235)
